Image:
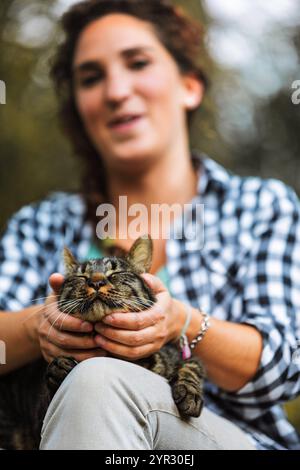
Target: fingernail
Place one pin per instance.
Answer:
(108, 319)
(148, 279)
(86, 326)
(99, 340)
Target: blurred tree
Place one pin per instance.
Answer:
(35, 158)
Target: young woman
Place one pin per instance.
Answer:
(128, 83)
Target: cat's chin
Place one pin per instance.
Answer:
(96, 312)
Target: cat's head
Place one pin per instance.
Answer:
(100, 286)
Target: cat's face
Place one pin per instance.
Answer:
(98, 287)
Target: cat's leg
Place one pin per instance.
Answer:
(187, 388)
(164, 362)
(57, 371)
(185, 377)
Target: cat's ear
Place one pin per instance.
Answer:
(71, 264)
(140, 254)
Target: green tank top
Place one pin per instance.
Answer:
(162, 273)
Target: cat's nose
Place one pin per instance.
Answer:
(99, 284)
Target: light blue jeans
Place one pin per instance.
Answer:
(110, 404)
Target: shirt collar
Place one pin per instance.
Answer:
(212, 176)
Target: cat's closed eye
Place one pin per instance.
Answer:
(116, 274)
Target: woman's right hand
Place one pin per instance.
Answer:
(62, 334)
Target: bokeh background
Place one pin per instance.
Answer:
(248, 121)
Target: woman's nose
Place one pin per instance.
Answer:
(118, 87)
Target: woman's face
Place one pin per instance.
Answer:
(128, 90)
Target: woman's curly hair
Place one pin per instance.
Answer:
(181, 36)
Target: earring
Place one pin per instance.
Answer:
(190, 101)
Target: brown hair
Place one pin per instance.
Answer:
(181, 36)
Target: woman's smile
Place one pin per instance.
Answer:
(126, 125)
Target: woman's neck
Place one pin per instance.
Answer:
(168, 180)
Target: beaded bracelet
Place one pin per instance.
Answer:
(183, 341)
(204, 327)
(185, 347)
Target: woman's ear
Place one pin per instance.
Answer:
(193, 91)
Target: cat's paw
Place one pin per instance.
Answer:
(57, 371)
(188, 399)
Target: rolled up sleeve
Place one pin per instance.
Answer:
(23, 277)
(271, 304)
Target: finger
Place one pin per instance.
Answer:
(51, 352)
(154, 283)
(124, 351)
(133, 320)
(128, 338)
(65, 321)
(69, 340)
(55, 281)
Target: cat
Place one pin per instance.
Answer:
(90, 291)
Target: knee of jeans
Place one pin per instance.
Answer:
(98, 375)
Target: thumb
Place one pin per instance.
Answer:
(55, 281)
(154, 283)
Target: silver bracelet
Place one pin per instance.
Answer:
(204, 327)
(184, 346)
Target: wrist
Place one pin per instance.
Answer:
(191, 327)
(31, 323)
(195, 324)
(179, 318)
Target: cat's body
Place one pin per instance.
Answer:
(90, 291)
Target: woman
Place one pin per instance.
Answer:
(128, 84)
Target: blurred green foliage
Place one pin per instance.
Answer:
(36, 158)
(248, 131)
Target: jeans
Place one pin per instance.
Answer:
(107, 403)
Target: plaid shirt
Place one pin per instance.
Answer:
(248, 271)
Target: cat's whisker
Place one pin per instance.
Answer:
(67, 303)
(69, 308)
(62, 322)
(36, 312)
(116, 294)
(40, 298)
(43, 306)
(52, 309)
(134, 302)
(72, 308)
(52, 325)
(70, 305)
(129, 304)
(136, 299)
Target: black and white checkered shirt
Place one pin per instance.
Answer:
(248, 271)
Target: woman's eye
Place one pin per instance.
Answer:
(139, 64)
(89, 81)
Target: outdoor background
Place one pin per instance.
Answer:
(248, 121)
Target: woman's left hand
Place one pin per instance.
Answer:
(134, 335)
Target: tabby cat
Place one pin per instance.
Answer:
(90, 291)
